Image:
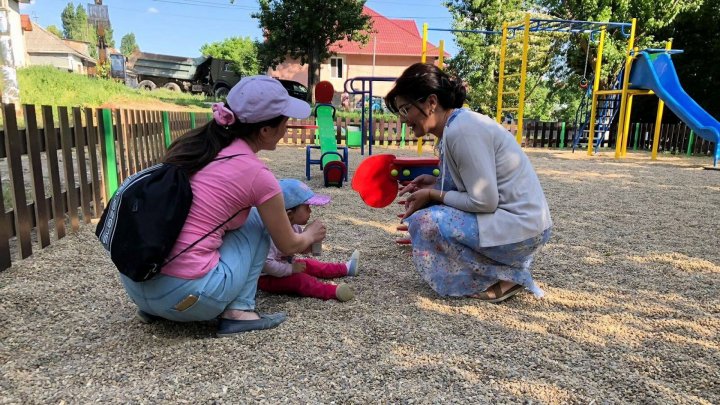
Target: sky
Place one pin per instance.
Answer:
(181, 27)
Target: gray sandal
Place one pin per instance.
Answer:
(231, 327)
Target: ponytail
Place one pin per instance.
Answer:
(196, 148)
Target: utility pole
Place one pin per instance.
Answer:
(8, 74)
(102, 53)
(99, 16)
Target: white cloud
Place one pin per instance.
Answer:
(153, 10)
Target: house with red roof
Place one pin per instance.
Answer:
(392, 46)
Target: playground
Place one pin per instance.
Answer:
(630, 313)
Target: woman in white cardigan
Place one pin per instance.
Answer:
(476, 228)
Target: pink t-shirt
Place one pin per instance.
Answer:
(220, 189)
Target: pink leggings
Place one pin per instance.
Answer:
(306, 284)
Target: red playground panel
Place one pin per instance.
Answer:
(406, 169)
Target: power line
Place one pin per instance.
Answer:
(205, 4)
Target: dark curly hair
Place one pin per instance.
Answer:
(420, 80)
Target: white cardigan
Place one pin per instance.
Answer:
(495, 179)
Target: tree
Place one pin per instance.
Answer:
(55, 31)
(128, 44)
(243, 52)
(109, 37)
(557, 61)
(305, 29)
(695, 30)
(76, 27)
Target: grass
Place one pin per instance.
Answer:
(49, 86)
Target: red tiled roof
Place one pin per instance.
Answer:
(391, 37)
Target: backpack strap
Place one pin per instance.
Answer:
(206, 235)
(217, 227)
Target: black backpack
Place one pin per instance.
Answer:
(143, 220)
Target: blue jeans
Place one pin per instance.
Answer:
(231, 284)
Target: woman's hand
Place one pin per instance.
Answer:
(420, 182)
(417, 200)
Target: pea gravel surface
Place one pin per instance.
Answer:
(631, 313)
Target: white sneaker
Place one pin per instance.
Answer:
(353, 264)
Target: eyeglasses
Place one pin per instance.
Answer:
(403, 110)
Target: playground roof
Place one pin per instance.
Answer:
(392, 37)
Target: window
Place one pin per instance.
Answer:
(336, 67)
(228, 67)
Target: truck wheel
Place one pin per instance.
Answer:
(147, 85)
(172, 86)
(221, 92)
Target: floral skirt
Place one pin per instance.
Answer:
(447, 254)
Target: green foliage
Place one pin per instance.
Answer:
(76, 27)
(556, 62)
(45, 85)
(696, 30)
(243, 52)
(128, 44)
(304, 29)
(109, 37)
(55, 31)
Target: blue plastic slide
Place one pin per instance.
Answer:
(656, 72)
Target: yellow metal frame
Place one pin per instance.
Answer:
(523, 74)
(596, 91)
(621, 134)
(626, 94)
(501, 79)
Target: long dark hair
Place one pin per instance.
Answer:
(420, 80)
(198, 147)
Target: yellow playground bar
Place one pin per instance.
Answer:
(645, 79)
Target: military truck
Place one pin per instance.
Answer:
(208, 75)
(213, 77)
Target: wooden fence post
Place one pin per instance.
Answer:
(166, 129)
(111, 172)
(13, 150)
(691, 141)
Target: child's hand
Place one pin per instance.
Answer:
(298, 267)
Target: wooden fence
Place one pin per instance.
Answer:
(61, 168)
(674, 138)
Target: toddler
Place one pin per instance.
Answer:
(283, 274)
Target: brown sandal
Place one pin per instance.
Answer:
(498, 295)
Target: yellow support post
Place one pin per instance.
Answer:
(596, 89)
(423, 57)
(626, 128)
(623, 98)
(523, 74)
(658, 118)
(501, 80)
(441, 55)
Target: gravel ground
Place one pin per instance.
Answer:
(631, 313)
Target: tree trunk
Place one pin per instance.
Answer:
(313, 71)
